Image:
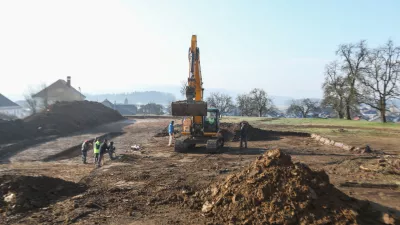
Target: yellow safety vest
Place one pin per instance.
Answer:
(96, 150)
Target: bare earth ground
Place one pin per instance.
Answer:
(145, 186)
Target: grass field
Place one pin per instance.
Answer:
(316, 121)
(357, 133)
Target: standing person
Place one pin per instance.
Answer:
(96, 150)
(243, 134)
(103, 149)
(84, 149)
(111, 150)
(171, 132)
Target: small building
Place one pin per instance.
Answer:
(60, 90)
(123, 109)
(10, 108)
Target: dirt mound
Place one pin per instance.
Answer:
(23, 193)
(61, 118)
(231, 132)
(274, 190)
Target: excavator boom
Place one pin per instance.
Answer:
(194, 104)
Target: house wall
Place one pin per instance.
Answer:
(61, 95)
(13, 111)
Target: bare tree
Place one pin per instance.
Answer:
(245, 105)
(302, 107)
(353, 64)
(45, 98)
(261, 102)
(223, 102)
(31, 101)
(169, 108)
(381, 80)
(335, 88)
(184, 84)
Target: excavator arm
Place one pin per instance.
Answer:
(194, 104)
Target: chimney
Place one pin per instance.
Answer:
(69, 81)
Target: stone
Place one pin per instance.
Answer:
(207, 207)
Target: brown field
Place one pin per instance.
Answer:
(154, 185)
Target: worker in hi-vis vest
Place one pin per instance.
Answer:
(96, 150)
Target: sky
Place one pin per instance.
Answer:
(122, 46)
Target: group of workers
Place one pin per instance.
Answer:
(99, 149)
(243, 133)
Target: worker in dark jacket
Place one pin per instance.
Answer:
(243, 134)
(111, 150)
(103, 150)
(84, 149)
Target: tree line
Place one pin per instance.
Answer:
(362, 75)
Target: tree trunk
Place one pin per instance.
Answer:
(383, 110)
(348, 116)
(260, 113)
(341, 115)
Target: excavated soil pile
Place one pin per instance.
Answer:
(231, 132)
(274, 190)
(164, 131)
(60, 118)
(23, 193)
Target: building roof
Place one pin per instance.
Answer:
(55, 86)
(5, 102)
(126, 109)
(107, 103)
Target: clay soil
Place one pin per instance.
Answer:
(155, 185)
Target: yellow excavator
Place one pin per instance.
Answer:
(200, 124)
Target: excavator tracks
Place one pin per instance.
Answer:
(180, 145)
(213, 145)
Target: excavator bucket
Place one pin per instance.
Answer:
(184, 108)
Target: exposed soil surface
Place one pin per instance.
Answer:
(155, 185)
(60, 119)
(24, 193)
(274, 190)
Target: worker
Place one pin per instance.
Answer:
(171, 132)
(103, 150)
(111, 150)
(84, 149)
(96, 150)
(243, 134)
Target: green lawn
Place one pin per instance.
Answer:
(319, 122)
(356, 133)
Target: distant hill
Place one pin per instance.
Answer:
(138, 97)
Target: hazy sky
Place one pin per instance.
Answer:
(118, 46)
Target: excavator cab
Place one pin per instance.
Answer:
(211, 121)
